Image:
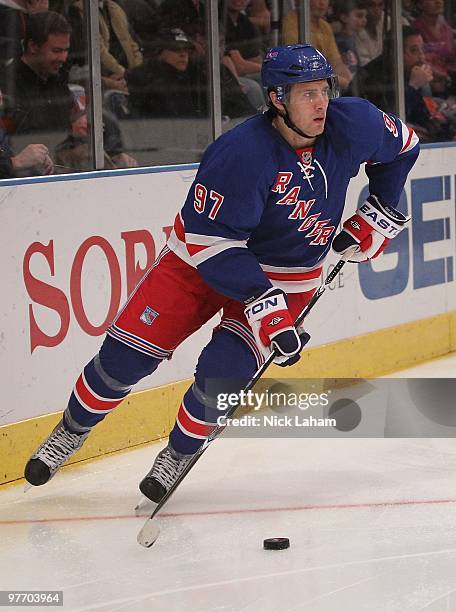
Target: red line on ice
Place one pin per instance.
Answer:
(236, 511)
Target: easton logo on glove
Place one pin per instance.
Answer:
(370, 229)
(275, 321)
(380, 216)
(269, 303)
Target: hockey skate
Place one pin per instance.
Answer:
(166, 469)
(60, 445)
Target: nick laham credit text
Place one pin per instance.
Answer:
(276, 421)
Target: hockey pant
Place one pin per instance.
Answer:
(171, 302)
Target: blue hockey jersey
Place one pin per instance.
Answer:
(261, 214)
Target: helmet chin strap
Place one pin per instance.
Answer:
(289, 123)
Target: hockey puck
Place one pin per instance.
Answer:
(276, 544)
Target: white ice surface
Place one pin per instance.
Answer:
(372, 525)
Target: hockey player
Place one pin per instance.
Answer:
(250, 241)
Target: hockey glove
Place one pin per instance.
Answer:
(371, 228)
(273, 327)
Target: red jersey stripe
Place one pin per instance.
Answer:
(196, 248)
(179, 228)
(410, 134)
(294, 276)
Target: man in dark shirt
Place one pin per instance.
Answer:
(38, 98)
(373, 81)
(189, 15)
(243, 41)
(165, 87)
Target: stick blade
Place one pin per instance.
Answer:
(143, 505)
(148, 534)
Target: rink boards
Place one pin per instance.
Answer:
(73, 247)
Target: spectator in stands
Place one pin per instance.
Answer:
(238, 99)
(288, 5)
(369, 40)
(73, 153)
(235, 101)
(422, 110)
(144, 20)
(352, 15)
(164, 86)
(438, 36)
(119, 51)
(322, 37)
(232, 84)
(76, 64)
(188, 15)
(373, 81)
(34, 159)
(243, 40)
(241, 96)
(13, 14)
(408, 12)
(38, 99)
(260, 15)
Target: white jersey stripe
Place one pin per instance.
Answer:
(179, 248)
(202, 239)
(296, 286)
(409, 138)
(222, 245)
(285, 269)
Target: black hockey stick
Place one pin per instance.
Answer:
(150, 531)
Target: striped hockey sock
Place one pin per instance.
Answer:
(94, 396)
(194, 423)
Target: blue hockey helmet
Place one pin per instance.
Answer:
(300, 63)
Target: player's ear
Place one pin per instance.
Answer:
(275, 103)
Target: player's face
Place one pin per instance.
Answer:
(49, 57)
(307, 106)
